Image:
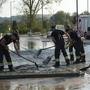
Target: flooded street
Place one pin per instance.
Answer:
(78, 83)
(59, 83)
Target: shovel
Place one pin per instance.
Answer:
(47, 60)
(26, 59)
(39, 52)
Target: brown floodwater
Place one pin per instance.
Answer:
(76, 83)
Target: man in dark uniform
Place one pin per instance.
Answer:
(57, 37)
(4, 51)
(71, 44)
(77, 43)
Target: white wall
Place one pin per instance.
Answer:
(85, 22)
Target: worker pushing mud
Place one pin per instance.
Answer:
(4, 50)
(57, 38)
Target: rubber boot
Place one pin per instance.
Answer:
(67, 62)
(11, 68)
(57, 63)
(71, 58)
(1, 68)
(83, 59)
(77, 61)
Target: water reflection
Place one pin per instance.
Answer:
(78, 83)
(32, 43)
(51, 84)
(38, 42)
(4, 85)
(59, 87)
(36, 84)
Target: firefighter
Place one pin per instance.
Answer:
(77, 43)
(71, 44)
(4, 50)
(57, 38)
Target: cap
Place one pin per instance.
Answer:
(53, 26)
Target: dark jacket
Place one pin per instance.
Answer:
(57, 35)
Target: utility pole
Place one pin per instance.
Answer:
(87, 12)
(88, 6)
(11, 8)
(10, 11)
(77, 13)
(42, 13)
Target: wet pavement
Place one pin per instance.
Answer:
(78, 83)
(59, 83)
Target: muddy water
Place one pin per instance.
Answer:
(76, 83)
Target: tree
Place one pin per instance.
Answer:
(31, 8)
(2, 2)
(4, 26)
(61, 18)
(85, 13)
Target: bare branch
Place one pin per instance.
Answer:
(31, 7)
(2, 2)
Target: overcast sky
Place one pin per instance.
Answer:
(66, 5)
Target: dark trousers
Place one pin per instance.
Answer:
(61, 48)
(71, 46)
(79, 50)
(57, 52)
(5, 52)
